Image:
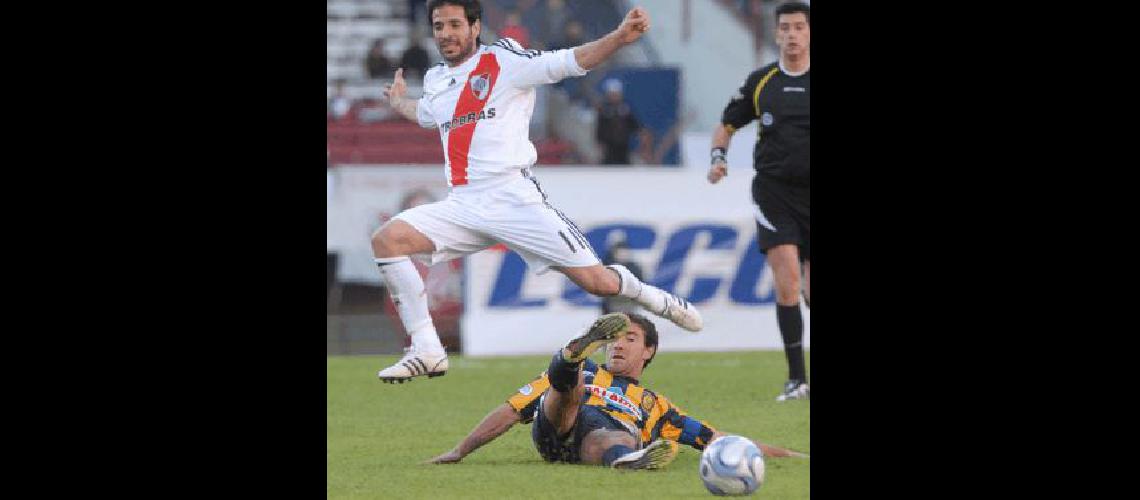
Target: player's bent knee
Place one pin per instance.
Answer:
(597, 442)
(395, 239)
(383, 244)
(624, 439)
(607, 438)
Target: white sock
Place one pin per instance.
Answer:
(649, 296)
(407, 290)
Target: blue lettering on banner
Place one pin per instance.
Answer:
(637, 237)
(679, 246)
(748, 274)
(508, 286)
(507, 289)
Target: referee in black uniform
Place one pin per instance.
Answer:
(779, 96)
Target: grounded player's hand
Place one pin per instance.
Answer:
(717, 172)
(451, 457)
(396, 90)
(634, 25)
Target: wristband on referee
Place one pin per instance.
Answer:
(718, 155)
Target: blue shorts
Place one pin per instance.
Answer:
(554, 448)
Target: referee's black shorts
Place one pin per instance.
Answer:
(783, 214)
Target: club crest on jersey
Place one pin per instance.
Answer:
(480, 85)
(647, 401)
(766, 118)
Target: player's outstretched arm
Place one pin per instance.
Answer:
(493, 425)
(719, 167)
(396, 93)
(769, 451)
(590, 55)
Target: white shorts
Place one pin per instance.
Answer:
(511, 210)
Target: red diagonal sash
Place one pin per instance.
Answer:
(459, 140)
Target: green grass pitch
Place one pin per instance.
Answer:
(378, 435)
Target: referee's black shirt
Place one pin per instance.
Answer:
(782, 103)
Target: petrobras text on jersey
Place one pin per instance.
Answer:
(468, 119)
(615, 399)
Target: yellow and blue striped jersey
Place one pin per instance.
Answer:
(642, 411)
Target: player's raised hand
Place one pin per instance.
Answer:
(394, 92)
(635, 24)
(717, 171)
(451, 457)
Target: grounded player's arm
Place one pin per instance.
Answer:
(769, 451)
(493, 425)
(396, 93)
(721, 137)
(590, 55)
(682, 428)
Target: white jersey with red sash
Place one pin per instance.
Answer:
(483, 107)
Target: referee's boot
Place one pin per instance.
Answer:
(415, 363)
(794, 389)
(655, 456)
(604, 330)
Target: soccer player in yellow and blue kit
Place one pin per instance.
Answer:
(599, 415)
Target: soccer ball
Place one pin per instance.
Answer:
(732, 465)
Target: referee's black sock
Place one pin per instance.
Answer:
(563, 374)
(791, 325)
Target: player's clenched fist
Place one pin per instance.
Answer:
(635, 23)
(717, 172)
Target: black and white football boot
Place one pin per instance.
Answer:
(415, 364)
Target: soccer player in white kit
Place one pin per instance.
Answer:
(481, 100)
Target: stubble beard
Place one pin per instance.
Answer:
(462, 56)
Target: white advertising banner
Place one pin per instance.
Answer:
(363, 198)
(687, 236)
(692, 238)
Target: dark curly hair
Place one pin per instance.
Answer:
(471, 8)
